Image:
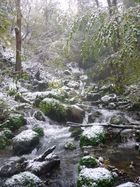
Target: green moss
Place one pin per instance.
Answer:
(12, 92)
(85, 141)
(39, 131)
(25, 76)
(70, 146)
(88, 161)
(4, 139)
(14, 122)
(53, 109)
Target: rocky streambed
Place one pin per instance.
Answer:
(62, 131)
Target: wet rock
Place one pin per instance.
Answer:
(14, 122)
(75, 114)
(93, 96)
(88, 161)
(93, 116)
(39, 116)
(40, 85)
(76, 132)
(12, 167)
(93, 136)
(129, 184)
(67, 72)
(70, 146)
(112, 106)
(24, 179)
(118, 119)
(99, 177)
(42, 167)
(109, 98)
(127, 134)
(25, 142)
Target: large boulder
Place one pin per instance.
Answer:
(75, 114)
(25, 142)
(24, 179)
(98, 177)
(53, 109)
(93, 136)
(93, 96)
(60, 112)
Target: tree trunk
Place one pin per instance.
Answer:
(97, 3)
(109, 7)
(18, 37)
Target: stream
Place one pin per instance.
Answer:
(118, 153)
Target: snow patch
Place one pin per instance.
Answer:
(94, 131)
(26, 135)
(129, 184)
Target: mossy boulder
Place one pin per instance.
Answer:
(37, 97)
(14, 122)
(60, 112)
(93, 136)
(53, 109)
(88, 161)
(97, 177)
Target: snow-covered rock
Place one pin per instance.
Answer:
(109, 98)
(25, 142)
(73, 84)
(97, 177)
(129, 184)
(24, 179)
(92, 135)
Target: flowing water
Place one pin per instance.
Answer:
(117, 153)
